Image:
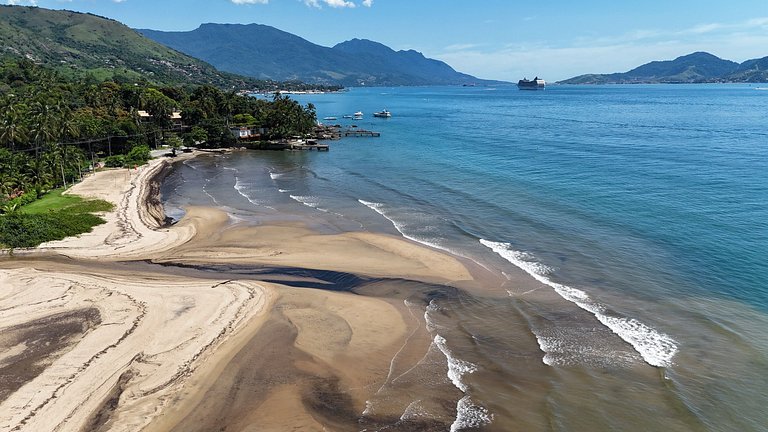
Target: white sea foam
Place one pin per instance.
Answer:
(549, 345)
(415, 410)
(656, 348)
(309, 201)
(240, 187)
(275, 176)
(402, 229)
(430, 324)
(457, 368)
(210, 196)
(469, 415)
(283, 190)
(368, 408)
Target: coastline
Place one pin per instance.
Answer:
(120, 284)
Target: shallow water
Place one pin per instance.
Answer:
(622, 232)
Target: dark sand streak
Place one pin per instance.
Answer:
(45, 340)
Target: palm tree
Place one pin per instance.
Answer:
(44, 131)
(68, 130)
(12, 129)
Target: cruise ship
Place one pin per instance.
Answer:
(534, 84)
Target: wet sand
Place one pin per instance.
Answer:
(173, 328)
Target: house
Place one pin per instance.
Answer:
(175, 118)
(247, 133)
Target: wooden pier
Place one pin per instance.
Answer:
(309, 146)
(360, 133)
(288, 145)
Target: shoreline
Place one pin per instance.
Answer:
(120, 373)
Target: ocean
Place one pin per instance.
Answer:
(622, 232)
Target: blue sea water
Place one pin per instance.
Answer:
(670, 181)
(643, 207)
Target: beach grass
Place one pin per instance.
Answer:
(55, 200)
(55, 216)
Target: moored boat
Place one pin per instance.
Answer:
(382, 113)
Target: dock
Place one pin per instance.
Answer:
(288, 145)
(308, 146)
(360, 133)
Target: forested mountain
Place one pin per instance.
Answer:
(755, 70)
(78, 45)
(698, 67)
(265, 52)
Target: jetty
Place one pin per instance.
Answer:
(360, 133)
(253, 140)
(287, 145)
(307, 145)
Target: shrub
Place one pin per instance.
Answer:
(138, 155)
(116, 161)
(19, 201)
(29, 230)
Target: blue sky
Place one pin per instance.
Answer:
(497, 39)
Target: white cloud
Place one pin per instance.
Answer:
(22, 2)
(339, 3)
(246, 1)
(336, 3)
(460, 47)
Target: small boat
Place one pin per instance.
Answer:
(347, 116)
(359, 114)
(383, 113)
(329, 118)
(534, 84)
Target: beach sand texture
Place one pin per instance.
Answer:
(119, 330)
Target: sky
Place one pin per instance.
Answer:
(492, 39)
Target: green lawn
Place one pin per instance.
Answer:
(52, 217)
(55, 200)
(52, 201)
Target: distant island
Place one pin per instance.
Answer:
(698, 67)
(264, 52)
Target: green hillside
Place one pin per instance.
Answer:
(79, 45)
(698, 67)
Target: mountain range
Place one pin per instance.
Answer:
(698, 67)
(265, 52)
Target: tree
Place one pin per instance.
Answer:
(244, 119)
(160, 107)
(12, 129)
(195, 136)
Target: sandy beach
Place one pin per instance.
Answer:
(128, 327)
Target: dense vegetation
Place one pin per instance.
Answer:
(265, 52)
(53, 129)
(52, 218)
